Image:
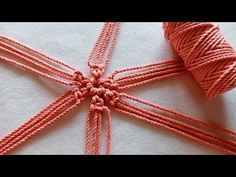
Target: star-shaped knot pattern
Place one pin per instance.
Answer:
(106, 93)
(100, 89)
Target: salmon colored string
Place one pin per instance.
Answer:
(149, 73)
(35, 62)
(206, 54)
(182, 127)
(109, 90)
(97, 69)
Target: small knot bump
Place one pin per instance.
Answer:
(79, 78)
(96, 70)
(77, 94)
(97, 103)
(96, 100)
(112, 97)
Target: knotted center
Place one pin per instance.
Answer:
(101, 90)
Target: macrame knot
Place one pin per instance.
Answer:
(112, 97)
(79, 78)
(110, 83)
(96, 70)
(97, 103)
(205, 53)
(77, 94)
(105, 89)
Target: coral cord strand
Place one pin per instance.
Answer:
(204, 53)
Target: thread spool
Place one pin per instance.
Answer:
(206, 54)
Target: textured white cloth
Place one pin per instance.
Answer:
(22, 95)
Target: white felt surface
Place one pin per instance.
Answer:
(23, 95)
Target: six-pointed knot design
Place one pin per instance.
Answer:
(105, 91)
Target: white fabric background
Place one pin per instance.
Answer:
(23, 95)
